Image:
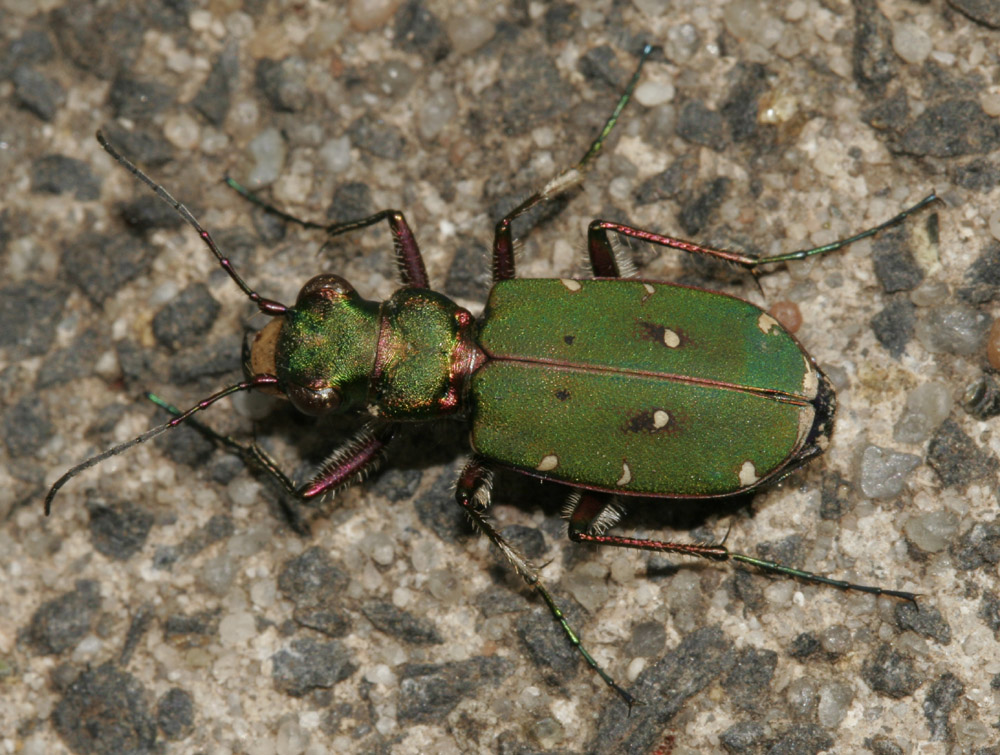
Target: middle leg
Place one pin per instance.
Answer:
(473, 492)
(503, 241)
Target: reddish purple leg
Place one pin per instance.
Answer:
(348, 465)
(409, 261)
(473, 492)
(351, 463)
(602, 253)
(594, 513)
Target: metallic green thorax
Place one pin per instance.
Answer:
(425, 353)
(407, 358)
(641, 388)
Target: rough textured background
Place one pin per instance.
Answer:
(166, 605)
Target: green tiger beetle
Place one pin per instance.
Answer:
(616, 387)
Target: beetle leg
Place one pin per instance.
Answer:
(503, 242)
(410, 262)
(351, 463)
(602, 254)
(473, 491)
(348, 465)
(588, 520)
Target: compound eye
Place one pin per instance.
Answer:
(327, 286)
(314, 400)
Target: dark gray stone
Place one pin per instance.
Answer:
(29, 312)
(104, 711)
(175, 714)
(119, 531)
(59, 174)
(309, 664)
(183, 321)
(100, 265)
(27, 427)
(37, 93)
(956, 458)
(430, 691)
(894, 325)
(401, 624)
(888, 672)
(59, 624)
(952, 128)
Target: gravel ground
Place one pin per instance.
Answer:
(168, 604)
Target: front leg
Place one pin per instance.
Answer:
(409, 261)
(348, 465)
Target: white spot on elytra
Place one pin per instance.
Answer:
(649, 288)
(671, 339)
(660, 419)
(571, 284)
(810, 381)
(548, 463)
(748, 474)
(626, 477)
(765, 322)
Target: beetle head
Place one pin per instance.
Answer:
(322, 349)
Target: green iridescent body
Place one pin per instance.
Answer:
(629, 386)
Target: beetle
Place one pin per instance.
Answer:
(616, 387)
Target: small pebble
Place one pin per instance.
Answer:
(654, 8)
(654, 93)
(263, 593)
(834, 700)
(927, 406)
(802, 696)
(991, 104)
(548, 733)
(995, 225)
(435, 113)
(933, 531)
(953, 329)
(394, 78)
(835, 640)
(911, 43)
(443, 585)
(237, 628)
(788, 314)
(292, 739)
(268, 151)
(468, 33)
(883, 473)
(379, 547)
(336, 154)
(751, 20)
(366, 15)
(182, 131)
(929, 293)
(588, 584)
(683, 42)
